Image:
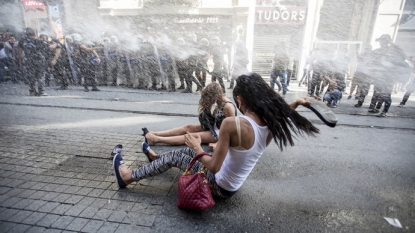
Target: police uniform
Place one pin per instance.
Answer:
(217, 72)
(35, 52)
(86, 67)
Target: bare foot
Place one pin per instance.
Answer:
(125, 174)
(151, 139)
(152, 154)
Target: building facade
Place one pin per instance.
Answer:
(298, 25)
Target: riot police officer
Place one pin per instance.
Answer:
(35, 52)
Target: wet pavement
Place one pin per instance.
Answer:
(56, 175)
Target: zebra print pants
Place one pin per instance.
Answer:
(177, 158)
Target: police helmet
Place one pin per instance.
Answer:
(191, 37)
(30, 32)
(215, 40)
(181, 41)
(76, 37)
(150, 39)
(43, 33)
(384, 37)
(139, 37)
(114, 39)
(204, 42)
(68, 38)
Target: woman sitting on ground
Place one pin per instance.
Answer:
(211, 94)
(266, 116)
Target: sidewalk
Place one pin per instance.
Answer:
(56, 175)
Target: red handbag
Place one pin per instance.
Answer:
(194, 189)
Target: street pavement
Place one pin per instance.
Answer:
(56, 174)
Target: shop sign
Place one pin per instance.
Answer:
(55, 15)
(200, 20)
(33, 5)
(276, 15)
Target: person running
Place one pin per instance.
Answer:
(234, 157)
(210, 95)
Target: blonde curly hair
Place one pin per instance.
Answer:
(211, 94)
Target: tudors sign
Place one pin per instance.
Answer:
(275, 15)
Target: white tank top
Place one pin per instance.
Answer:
(238, 164)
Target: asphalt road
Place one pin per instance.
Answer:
(347, 179)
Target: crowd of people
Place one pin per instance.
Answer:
(386, 68)
(153, 61)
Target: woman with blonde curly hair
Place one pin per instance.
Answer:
(208, 130)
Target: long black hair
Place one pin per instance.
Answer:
(258, 97)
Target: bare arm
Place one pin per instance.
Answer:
(53, 45)
(214, 163)
(55, 58)
(83, 47)
(97, 56)
(229, 110)
(300, 101)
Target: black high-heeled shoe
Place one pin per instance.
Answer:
(145, 132)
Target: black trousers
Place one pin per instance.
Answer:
(218, 75)
(289, 74)
(316, 82)
(409, 89)
(364, 83)
(58, 72)
(189, 78)
(88, 73)
(382, 94)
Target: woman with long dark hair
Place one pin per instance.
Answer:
(266, 116)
